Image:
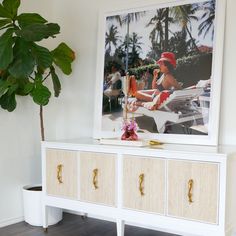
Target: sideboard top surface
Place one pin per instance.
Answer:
(87, 143)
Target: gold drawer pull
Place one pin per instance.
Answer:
(95, 175)
(190, 189)
(141, 180)
(59, 173)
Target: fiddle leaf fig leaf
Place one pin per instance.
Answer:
(4, 13)
(37, 32)
(41, 94)
(9, 86)
(56, 83)
(11, 6)
(63, 56)
(24, 61)
(38, 79)
(42, 56)
(8, 102)
(24, 87)
(3, 87)
(12, 88)
(26, 19)
(12, 85)
(4, 22)
(28, 88)
(6, 51)
(25, 65)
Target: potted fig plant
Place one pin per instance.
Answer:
(25, 66)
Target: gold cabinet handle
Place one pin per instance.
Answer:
(141, 180)
(59, 173)
(95, 175)
(190, 189)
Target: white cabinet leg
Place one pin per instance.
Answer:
(120, 226)
(45, 218)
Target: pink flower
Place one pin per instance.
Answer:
(130, 125)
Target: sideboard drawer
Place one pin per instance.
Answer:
(97, 177)
(193, 190)
(144, 184)
(61, 173)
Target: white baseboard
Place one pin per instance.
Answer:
(11, 221)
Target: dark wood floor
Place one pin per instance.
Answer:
(73, 225)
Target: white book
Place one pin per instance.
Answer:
(117, 141)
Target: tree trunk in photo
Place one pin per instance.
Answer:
(127, 45)
(166, 29)
(190, 35)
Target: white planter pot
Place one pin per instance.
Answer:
(32, 202)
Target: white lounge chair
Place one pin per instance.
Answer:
(177, 108)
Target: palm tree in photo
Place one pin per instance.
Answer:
(208, 18)
(167, 20)
(157, 33)
(126, 19)
(135, 46)
(116, 18)
(154, 52)
(120, 54)
(184, 15)
(134, 49)
(179, 44)
(112, 38)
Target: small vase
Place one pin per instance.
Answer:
(129, 135)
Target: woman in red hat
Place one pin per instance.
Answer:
(152, 98)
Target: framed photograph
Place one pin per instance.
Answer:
(160, 63)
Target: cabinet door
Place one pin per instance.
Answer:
(97, 177)
(144, 184)
(61, 173)
(193, 190)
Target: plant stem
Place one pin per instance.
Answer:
(46, 76)
(41, 123)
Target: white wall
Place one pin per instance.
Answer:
(78, 21)
(71, 115)
(228, 95)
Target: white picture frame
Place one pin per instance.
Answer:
(210, 137)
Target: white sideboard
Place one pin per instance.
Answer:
(181, 189)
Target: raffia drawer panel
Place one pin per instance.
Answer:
(97, 178)
(193, 190)
(61, 173)
(144, 183)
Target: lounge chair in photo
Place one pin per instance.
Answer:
(179, 107)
